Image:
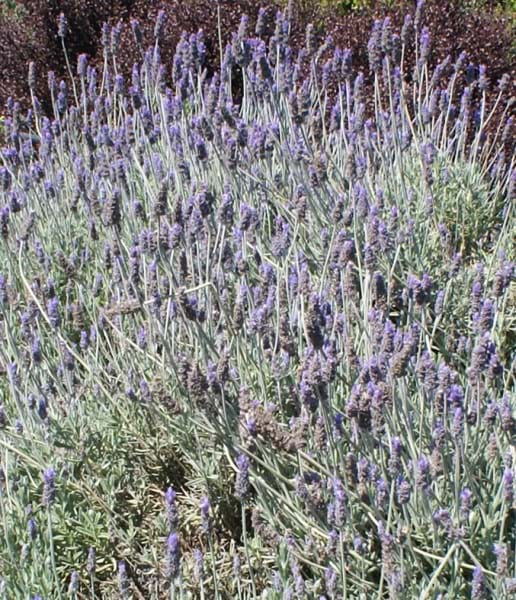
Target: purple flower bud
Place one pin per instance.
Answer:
(137, 32)
(458, 423)
(381, 494)
(198, 565)
(49, 487)
(506, 415)
(74, 583)
(395, 457)
(236, 566)
(42, 408)
(205, 514)
(340, 503)
(32, 529)
(456, 395)
(486, 318)
(439, 302)
(330, 581)
(173, 557)
(53, 312)
(358, 545)
(403, 491)
(123, 579)
(478, 586)
(465, 504)
(442, 518)
(424, 45)
(91, 562)
(500, 551)
(3, 291)
(172, 516)
(422, 472)
(374, 47)
(84, 341)
(508, 486)
(62, 26)
(160, 24)
(242, 478)
(82, 65)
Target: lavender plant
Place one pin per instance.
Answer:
(268, 346)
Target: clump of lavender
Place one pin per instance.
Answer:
(314, 282)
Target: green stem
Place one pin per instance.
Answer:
(246, 550)
(52, 553)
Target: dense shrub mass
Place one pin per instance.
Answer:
(256, 327)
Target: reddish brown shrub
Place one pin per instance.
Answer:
(485, 37)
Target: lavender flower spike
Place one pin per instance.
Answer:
(173, 557)
(49, 486)
(171, 509)
(242, 478)
(478, 587)
(123, 580)
(205, 514)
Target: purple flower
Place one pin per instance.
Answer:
(205, 514)
(442, 518)
(458, 423)
(198, 565)
(456, 395)
(242, 478)
(32, 529)
(53, 312)
(395, 457)
(388, 549)
(62, 26)
(358, 545)
(508, 486)
(84, 341)
(486, 317)
(340, 503)
(42, 408)
(422, 472)
(465, 504)
(424, 46)
(49, 486)
(236, 566)
(137, 32)
(172, 557)
(123, 579)
(91, 562)
(382, 494)
(506, 415)
(478, 586)
(74, 583)
(160, 24)
(171, 514)
(403, 491)
(3, 290)
(330, 579)
(500, 551)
